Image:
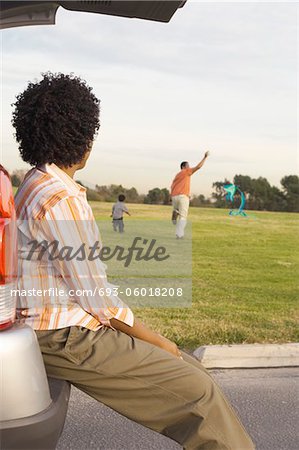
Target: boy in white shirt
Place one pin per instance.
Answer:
(118, 210)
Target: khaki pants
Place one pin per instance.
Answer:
(180, 204)
(175, 397)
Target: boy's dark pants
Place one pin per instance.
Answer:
(175, 397)
(118, 225)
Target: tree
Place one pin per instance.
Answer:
(155, 196)
(93, 195)
(166, 196)
(15, 180)
(290, 186)
(132, 195)
(17, 177)
(115, 190)
(278, 200)
(200, 200)
(219, 194)
(260, 195)
(244, 182)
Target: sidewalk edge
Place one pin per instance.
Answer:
(248, 356)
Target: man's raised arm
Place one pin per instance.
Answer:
(200, 164)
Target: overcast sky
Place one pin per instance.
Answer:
(219, 76)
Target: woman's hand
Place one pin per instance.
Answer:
(144, 333)
(169, 346)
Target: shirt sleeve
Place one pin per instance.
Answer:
(71, 226)
(125, 209)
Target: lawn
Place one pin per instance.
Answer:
(244, 277)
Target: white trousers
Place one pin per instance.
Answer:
(180, 204)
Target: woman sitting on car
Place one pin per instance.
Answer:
(95, 342)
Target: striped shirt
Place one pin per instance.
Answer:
(57, 292)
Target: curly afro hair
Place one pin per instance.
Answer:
(56, 120)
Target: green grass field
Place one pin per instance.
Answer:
(245, 278)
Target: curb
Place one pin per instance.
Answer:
(248, 356)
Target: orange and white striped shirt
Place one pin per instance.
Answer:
(53, 211)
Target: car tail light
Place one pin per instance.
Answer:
(8, 252)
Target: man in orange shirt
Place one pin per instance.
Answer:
(180, 193)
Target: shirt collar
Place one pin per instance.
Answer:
(56, 172)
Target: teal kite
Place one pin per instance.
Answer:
(231, 189)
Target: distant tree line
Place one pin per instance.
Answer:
(111, 192)
(259, 193)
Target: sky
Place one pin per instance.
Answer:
(219, 77)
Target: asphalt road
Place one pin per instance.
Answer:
(266, 400)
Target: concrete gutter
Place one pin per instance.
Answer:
(248, 355)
